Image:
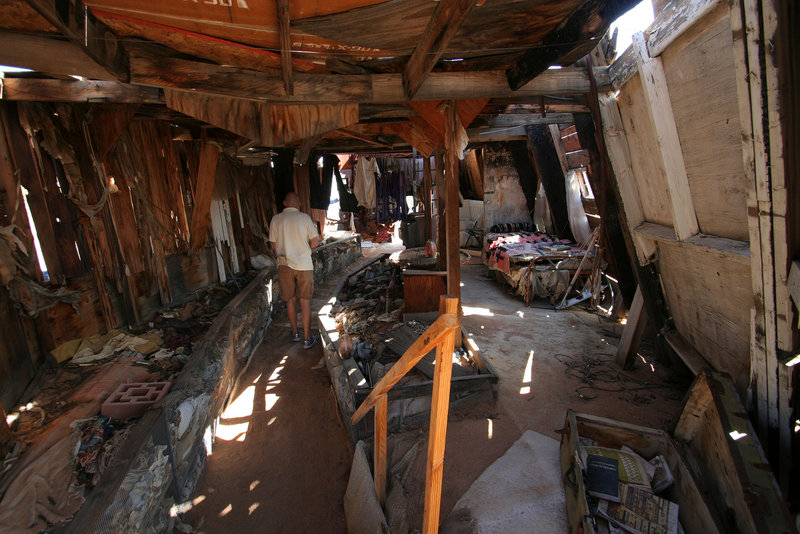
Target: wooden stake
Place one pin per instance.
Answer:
(379, 455)
(632, 335)
(451, 206)
(440, 405)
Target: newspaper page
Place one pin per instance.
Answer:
(641, 512)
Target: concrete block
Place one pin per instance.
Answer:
(133, 399)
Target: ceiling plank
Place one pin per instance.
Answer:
(356, 135)
(286, 44)
(43, 90)
(468, 109)
(85, 30)
(589, 21)
(293, 122)
(159, 71)
(50, 55)
(244, 117)
(442, 26)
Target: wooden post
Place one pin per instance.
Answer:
(440, 405)
(203, 193)
(451, 204)
(441, 227)
(426, 171)
(379, 455)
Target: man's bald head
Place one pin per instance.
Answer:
(291, 200)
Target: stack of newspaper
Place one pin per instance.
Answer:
(623, 486)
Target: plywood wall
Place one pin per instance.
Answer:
(702, 85)
(708, 291)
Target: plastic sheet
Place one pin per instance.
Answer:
(577, 216)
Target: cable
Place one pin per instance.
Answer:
(598, 372)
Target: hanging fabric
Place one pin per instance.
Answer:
(364, 185)
(347, 200)
(391, 198)
(282, 175)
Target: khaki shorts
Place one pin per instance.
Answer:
(295, 283)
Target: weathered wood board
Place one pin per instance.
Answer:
(701, 76)
(710, 300)
(644, 152)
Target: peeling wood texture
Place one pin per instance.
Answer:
(442, 26)
(207, 170)
(84, 29)
(670, 154)
(589, 21)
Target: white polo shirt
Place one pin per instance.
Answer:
(292, 230)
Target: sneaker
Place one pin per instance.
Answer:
(310, 342)
(296, 337)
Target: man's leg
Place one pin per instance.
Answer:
(305, 310)
(291, 311)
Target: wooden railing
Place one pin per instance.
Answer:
(440, 335)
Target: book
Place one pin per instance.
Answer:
(640, 512)
(631, 470)
(602, 477)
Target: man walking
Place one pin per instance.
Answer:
(293, 235)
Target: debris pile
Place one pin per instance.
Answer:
(58, 436)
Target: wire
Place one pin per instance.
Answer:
(599, 373)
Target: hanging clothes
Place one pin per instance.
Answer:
(282, 174)
(347, 200)
(364, 185)
(320, 181)
(391, 198)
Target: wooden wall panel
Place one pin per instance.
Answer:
(710, 300)
(644, 152)
(702, 82)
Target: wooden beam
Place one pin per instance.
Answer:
(51, 55)
(203, 193)
(724, 248)
(77, 23)
(442, 26)
(441, 222)
(674, 21)
(620, 156)
(440, 405)
(286, 45)
(44, 90)
(356, 135)
(634, 330)
(659, 107)
(686, 352)
(589, 21)
(158, 71)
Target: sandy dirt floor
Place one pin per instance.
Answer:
(285, 468)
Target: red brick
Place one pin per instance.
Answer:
(133, 399)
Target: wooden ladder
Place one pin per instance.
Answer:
(441, 336)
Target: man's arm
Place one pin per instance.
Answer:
(314, 242)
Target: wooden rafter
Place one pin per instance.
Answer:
(442, 26)
(366, 139)
(286, 45)
(590, 20)
(46, 90)
(159, 71)
(85, 30)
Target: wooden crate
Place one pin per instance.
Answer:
(721, 483)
